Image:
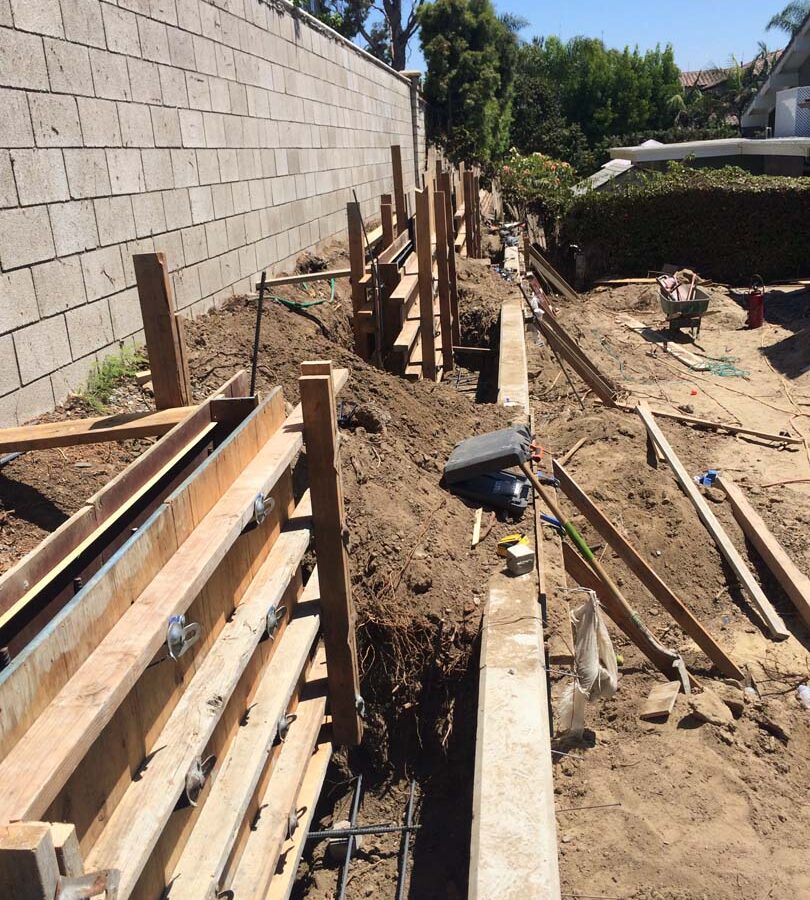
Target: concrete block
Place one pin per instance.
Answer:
(56, 120)
(126, 173)
(223, 200)
(90, 327)
(184, 168)
(173, 86)
(17, 130)
(136, 125)
(202, 204)
(210, 276)
(214, 124)
(110, 75)
(229, 266)
(68, 67)
(163, 11)
(199, 95)
(72, 378)
(228, 165)
(26, 403)
(144, 81)
(154, 40)
(205, 56)
(191, 128)
(99, 121)
(236, 232)
(121, 28)
(9, 374)
(143, 245)
(8, 189)
(226, 67)
(40, 176)
(241, 196)
(125, 313)
(142, 7)
(74, 227)
(166, 127)
(208, 166)
(194, 247)
(157, 168)
(216, 236)
(22, 60)
(41, 348)
(40, 16)
(171, 244)
(186, 284)
(59, 285)
(5, 14)
(177, 208)
(150, 217)
(188, 15)
(18, 302)
(210, 21)
(220, 94)
(83, 22)
(238, 98)
(103, 272)
(116, 222)
(181, 48)
(87, 173)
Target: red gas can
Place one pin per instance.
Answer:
(756, 304)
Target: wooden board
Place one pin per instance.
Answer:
(760, 602)
(303, 277)
(689, 359)
(513, 379)
(399, 188)
(661, 701)
(424, 254)
(544, 268)
(96, 430)
(794, 582)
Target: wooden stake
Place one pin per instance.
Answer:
(469, 213)
(164, 337)
(399, 188)
(445, 187)
(760, 602)
(387, 220)
(443, 269)
(357, 264)
(424, 255)
(329, 524)
(29, 869)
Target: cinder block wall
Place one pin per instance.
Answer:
(227, 134)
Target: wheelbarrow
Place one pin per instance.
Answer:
(684, 305)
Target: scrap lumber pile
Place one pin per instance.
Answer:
(170, 722)
(405, 301)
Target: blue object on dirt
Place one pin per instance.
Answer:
(708, 478)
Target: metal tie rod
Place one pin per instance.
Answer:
(360, 829)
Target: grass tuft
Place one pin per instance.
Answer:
(106, 376)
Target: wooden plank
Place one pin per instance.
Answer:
(164, 344)
(513, 378)
(263, 847)
(357, 263)
(689, 359)
(544, 268)
(514, 856)
(717, 426)
(293, 848)
(794, 582)
(760, 602)
(132, 831)
(647, 575)
(199, 871)
(399, 188)
(424, 252)
(476, 532)
(395, 249)
(451, 257)
(469, 212)
(661, 701)
(406, 337)
(406, 289)
(386, 219)
(329, 526)
(29, 869)
(95, 430)
(39, 764)
(443, 271)
(301, 277)
(66, 845)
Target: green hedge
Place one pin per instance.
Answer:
(725, 224)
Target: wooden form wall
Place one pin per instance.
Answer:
(405, 298)
(109, 731)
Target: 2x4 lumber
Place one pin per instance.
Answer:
(446, 189)
(760, 602)
(386, 219)
(647, 575)
(199, 870)
(133, 829)
(302, 277)
(661, 701)
(513, 856)
(329, 526)
(29, 869)
(263, 847)
(717, 426)
(68, 853)
(40, 763)
(405, 290)
(407, 336)
(424, 253)
(794, 582)
(469, 213)
(399, 188)
(513, 379)
(293, 847)
(357, 265)
(544, 268)
(96, 430)
(163, 331)
(443, 271)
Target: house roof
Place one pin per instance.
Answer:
(613, 168)
(706, 149)
(785, 74)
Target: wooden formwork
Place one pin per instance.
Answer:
(182, 769)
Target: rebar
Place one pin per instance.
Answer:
(360, 829)
(259, 308)
(344, 869)
(405, 845)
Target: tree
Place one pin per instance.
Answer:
(470, 56)
(791, 19)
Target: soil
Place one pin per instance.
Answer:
(706, 810)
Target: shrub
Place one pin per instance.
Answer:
(536, 184)
(725, 223)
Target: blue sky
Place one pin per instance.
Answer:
(703, 32)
